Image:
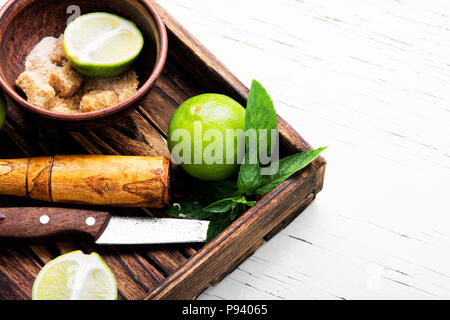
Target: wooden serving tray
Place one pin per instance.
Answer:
(166, 271)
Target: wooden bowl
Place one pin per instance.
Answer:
(23, 23)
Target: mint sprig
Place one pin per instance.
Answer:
(286, 168)
(224, 202)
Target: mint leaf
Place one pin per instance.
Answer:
(249, 178)
(219, 222)
(287, 167)
(260, 114)
(243, 200)
(225, 212)
(220, 206)
(227, 204)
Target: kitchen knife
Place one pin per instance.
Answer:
(41, 223)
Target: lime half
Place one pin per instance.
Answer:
(2, 109)
(102, 44)
(75, 276)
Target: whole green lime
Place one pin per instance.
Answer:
(2, 109)
(204, 136)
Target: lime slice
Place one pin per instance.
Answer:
(2, 109)
(102, 44)
(75, 276)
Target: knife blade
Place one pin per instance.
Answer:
(101, 227)
(130, 230)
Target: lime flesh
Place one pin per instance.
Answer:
(75, 276)
(214, 112)
(101, 44)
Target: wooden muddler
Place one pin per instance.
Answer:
(124, 181)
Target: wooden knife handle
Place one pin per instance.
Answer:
(91, 180)
(42, 223)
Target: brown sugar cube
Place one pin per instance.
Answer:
(65, 80)
(37, 90)
(63, 109)
(98, 100)
(39, 58)
(66, 105)
(124, 85)
(58, 56)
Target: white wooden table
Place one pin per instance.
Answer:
(370, 79)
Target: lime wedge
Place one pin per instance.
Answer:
(102, 44)
(75, 276)
(2, 109)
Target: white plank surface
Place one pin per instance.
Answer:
(370, 79)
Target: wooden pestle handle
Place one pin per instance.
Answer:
(125, 181)
(43, 223)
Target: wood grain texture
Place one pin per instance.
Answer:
(369, 79)
(40, 223)
(162, 272)
(13, 174)
(125, 181)
(111, 180)
(38, 178)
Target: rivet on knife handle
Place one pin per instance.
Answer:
(41, 223)
(89, 180)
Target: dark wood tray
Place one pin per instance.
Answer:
(167, 271)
